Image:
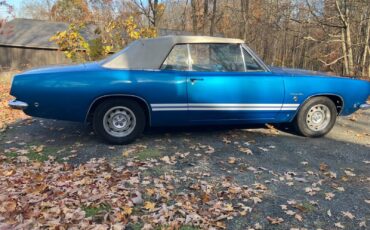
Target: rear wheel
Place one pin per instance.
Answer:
(119, 121)
(316, 117)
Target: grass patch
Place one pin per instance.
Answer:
(148, 153)
(189, 227)
(91, 211)
(42, 156)
(155, 171)
(35, 156)
(308, 207)
(11, 155)
(136, 226)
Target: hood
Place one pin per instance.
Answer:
(299, 72)
(62, 68)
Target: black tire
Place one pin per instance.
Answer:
(303, 123)
(132, 106)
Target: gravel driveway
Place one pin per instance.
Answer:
(311, 183)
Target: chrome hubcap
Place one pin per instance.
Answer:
(119, 121)
(318, 117)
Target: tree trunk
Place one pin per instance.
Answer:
(155, 13)
(350, 52)
(213, 18)
(345, 55)
(205, 15)
(346, 36)
(245, 13)
(365, 68)
(194, 16)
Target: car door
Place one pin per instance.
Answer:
(167, 89)
(227, 84)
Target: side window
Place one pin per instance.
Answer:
(216, 57)
(250, 63)
(178, 59)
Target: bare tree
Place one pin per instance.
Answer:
(151, 9)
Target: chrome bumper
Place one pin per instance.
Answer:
(14, 104)
(365, 106)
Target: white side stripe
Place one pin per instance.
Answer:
(242, 109)
(168, 105)
(225, 107)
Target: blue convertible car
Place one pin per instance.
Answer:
(186, 80)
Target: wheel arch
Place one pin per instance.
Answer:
(141, 101)
(336, 98)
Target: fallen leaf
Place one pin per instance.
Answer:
(8, 172)
(149, 205)
(231, 160)
(290, 212)
(276, 220)
(210, 149)
(329, 213)
(298, 217)
(168, 160)
(329, 195)
(348, 214)
(246, 150)
(228, 207)
(226, 141)
(127, 210)
(324, 167)
(284, 207)
(8, 206)
(349, 173)
(362, 224)
(338, 225)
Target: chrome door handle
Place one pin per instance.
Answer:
(193, 80)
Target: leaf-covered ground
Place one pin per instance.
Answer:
(7, 115)
(59, 175)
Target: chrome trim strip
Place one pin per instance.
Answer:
(170, 109)
(242, 53)
(169, 105)
(190, 60)
(364, 106)
(14, 104)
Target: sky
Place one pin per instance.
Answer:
(15, 3)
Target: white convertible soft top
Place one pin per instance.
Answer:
(150, 53)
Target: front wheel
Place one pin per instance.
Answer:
(119, 121)
(316, 117)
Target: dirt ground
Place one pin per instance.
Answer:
(321, 183)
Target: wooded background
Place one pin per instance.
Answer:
(326, 35)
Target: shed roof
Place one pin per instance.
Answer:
(35, 33)
(150, 53)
